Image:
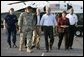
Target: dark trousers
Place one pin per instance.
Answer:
(11, 31)
(72, 30)
(25, 41)
(42, 28)
(48, 32)
(66, 35)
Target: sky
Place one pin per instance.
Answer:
(5, 7)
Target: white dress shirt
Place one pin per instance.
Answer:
(48, 20)
(72, 19)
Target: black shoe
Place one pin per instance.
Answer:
(33, 47)
(15, 46)
(47, 50)
(58, 48)
(10, 46)
(71, 48)
(66, 49)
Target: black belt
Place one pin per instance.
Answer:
(72, 25)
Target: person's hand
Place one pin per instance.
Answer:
(20, 30)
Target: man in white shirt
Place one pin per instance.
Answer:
(72, 28)
(48, 21)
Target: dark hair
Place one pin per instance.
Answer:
(59, 15)
(12, 9)
(29, 7)
(64, 12)
(44, 8)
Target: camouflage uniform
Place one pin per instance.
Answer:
(26, 23)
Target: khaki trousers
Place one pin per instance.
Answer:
(23, 36)
(36, 38)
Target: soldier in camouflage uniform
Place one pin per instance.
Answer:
(26, 26)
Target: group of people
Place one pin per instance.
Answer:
(31, 25)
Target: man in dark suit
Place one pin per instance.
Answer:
(10, 23)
